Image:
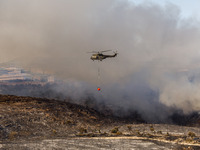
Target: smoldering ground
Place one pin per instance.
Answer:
(158, 66)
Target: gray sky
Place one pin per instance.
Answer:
(189, 8)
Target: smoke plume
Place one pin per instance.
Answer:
(158, 64)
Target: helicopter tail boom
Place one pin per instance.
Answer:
(114, 55)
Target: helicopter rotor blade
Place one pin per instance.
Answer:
(100, 52)
(105, 51)
(93, 52)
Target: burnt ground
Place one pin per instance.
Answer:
(22, 117)
(37, 119)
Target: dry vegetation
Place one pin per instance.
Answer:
(26, 118)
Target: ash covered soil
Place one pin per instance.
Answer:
(25, 121)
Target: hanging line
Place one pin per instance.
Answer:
(99, 78)
(98, 74)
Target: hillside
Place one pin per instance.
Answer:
(33, 119)
(22, 117)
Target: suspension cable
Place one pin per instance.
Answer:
(99, 79)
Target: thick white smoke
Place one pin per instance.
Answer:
(159, 57)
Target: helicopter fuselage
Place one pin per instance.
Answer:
(101, 56)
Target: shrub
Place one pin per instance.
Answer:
(119, 133)
(159, 132)
(115, 130)
(191, 134)
(149, 135)
(83, 130)
(189, 139)
(68, 122)
(12, 135)
(151, 128)
(139, 133)
(54, 132)
(167, 134)
(93, 118)
(129, 128)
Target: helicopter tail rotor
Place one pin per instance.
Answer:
(116, 53)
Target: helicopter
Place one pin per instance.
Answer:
(98, 55)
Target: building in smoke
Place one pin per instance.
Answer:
(13, 74)
(19, 75)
